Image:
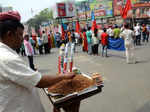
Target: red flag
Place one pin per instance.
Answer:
(62, 33)
(77, 27)
(125, 10)
(94, 25)
(78, 30)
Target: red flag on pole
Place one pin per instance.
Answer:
(78, 30)
(125, 10)
(62, 33)
(94, 25)
(77, 27)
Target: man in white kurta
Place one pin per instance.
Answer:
(17, 84)
(128, 36)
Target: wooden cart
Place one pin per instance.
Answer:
(71, 102)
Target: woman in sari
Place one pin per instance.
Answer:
(84, 42)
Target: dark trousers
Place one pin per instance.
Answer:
(104, 50)
(58, 44)
(46, 48)
(30, 58)
(95, 49)
(145, 37)
(34, 47)
(41, 49)
(137, 40)
(23, 53)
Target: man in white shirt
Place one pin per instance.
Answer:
(128, 36)
(18, 92)
(45, 43)
(110, 32)
(137, 33)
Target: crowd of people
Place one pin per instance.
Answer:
(90, 40)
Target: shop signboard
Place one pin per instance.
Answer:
(70, 9)
(140, 10)
(101, 8)
(63, 10)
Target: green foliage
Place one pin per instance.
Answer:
(44, 16)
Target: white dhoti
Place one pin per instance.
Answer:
(130, 58)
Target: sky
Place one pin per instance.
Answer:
(25, 7)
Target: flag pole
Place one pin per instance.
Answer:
(133, 19)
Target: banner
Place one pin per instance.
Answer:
(116, 44)
(118, 5)
(101, 8)
(61, 8)
(70, 9)
(141, 10)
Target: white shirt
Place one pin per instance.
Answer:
(17, 84)
(95, 40)
(127, 34)
(45, 38)
(110, 32)
(137, 30)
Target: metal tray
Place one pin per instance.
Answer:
(58, 99)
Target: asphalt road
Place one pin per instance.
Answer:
(126, 86)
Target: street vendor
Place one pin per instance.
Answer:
(19, 83)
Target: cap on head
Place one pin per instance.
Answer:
(10, 15)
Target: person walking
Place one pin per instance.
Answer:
(45, 43)
(73, 39)
(128, 36)
(137, 32)
(29, 52)
(84, 41)
(144, 33)
(49, 43)
(89, 40)
(104, 42)
(95, 42)
(58, 39)
(40, 44)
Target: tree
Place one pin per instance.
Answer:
(44, 16)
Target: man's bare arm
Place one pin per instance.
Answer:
(47, 80)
